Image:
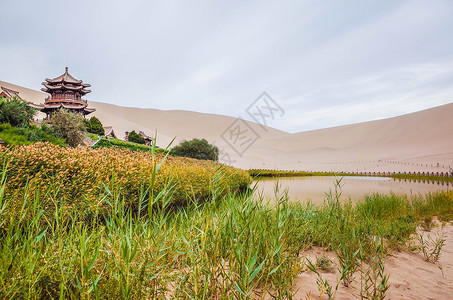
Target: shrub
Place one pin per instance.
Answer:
(67, 125)
(15, 112)
(196, 148)
(136, 138)
(93, 125)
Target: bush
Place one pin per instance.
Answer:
(93, 125)
(16, 112)
(196, 148)
(67, 125)
(136, 138)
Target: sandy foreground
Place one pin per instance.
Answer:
(417, 142)
(411, 276)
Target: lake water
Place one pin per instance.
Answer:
(353, 187)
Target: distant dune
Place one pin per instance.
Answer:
(421, 141)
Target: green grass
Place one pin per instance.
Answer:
(92, 136)
(421, 177)
(26, 135)
(276, 173)
(116, 143)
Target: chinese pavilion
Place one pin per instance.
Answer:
(65, 92)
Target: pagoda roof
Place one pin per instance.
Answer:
(62, 86)
(65, 77)
(50, 107)
(65, 82)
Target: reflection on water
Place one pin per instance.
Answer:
(314, 188)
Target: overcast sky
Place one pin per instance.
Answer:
(326, 63)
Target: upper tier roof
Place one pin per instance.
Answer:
(65, 82)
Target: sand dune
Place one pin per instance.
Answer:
(421, 141)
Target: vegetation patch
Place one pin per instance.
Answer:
(231, 246)
(422, 177)
(27, 135)
(78, 176)
(120, 144)
(255, 173)
(144, 247)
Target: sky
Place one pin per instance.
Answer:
(325, 63)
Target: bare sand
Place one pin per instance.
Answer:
(411, 276)
(421, 141)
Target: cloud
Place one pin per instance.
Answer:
(218, 56)
(384, 95)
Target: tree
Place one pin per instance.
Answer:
(196, 148)
(93, 125)
(135, 138)
(16, 112)
(67, 125)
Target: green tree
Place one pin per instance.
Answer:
(16, 112)
(67, 125)
(196, 148)
(136, 138)
(93, 125)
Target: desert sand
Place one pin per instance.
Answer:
(411, 276)
(421, 141)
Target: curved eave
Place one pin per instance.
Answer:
(47, 107)
(80, 89)
(38, 106)
(64, 78)
(62, 86)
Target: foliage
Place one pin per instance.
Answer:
(67, 125)
(116, 143)
(82, 172)
(136, 138)
(281, 173)
(92, 136)
(228, 248)
(373, 280)
(422, 177)
(431, 247)
(324, 263)
(16, 112)
(26, 135)
(196, 148)
(93, 125)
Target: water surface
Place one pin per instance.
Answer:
(314, 188)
